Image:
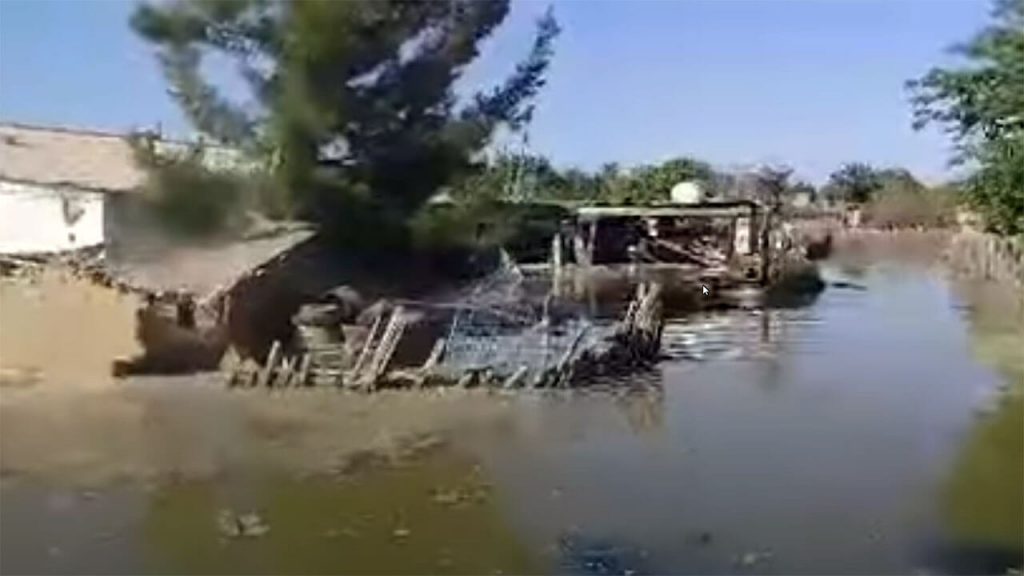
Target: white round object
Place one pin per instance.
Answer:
(688, 192)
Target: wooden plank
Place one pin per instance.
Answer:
(286, 373)
(516, 378)
(435, 356)
(696, 210)
(364, 354)
(267, 373)
(304, 366)
(386, 348)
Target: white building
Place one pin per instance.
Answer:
(59, 187)
(55, 184)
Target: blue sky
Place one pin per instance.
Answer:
(812, 83)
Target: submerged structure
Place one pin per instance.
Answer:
(595, 307)
(509, 343)
(740, 251)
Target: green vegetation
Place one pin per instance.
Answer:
(531, 177)
(981, 103)
(893, 197)
(351, 117)
(350, 104)
(911, 204)
(192, 200)
(854, 182)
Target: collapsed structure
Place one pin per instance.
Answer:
(474, 346)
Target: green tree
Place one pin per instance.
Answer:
(804, 187)
(899, 178)
(653, 183)
(981, 104)
(855, 182)
(351, 103)
(571, 184)
(772, 183)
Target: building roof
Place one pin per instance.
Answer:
(206, 269)
(89, 160)
(59, 157)
(710, 208)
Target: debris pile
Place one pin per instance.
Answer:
(545, 354)
(704, 251)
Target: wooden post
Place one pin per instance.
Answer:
(556, 263)
(386, 348)
(591, 242)
(562, 373)
(273, 357)
(284, 376)
(516, 378)
(364, 354)
(435, 356)
(304, 367)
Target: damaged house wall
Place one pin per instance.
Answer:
(64, 190)
(62, 330)
(40, 219)
(55, 186)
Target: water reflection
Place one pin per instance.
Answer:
(643, 409)
(984, 497)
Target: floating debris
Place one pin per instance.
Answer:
(247, 525)
(448, 497)
(752, 558)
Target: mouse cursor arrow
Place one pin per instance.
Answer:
(704, 290)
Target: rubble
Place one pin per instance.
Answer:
(545, 354)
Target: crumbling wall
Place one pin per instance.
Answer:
(44, 219)
(62, 329)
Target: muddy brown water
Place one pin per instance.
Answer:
(879, 429)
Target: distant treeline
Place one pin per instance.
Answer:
(888, 196)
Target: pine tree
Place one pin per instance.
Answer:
(350, 103)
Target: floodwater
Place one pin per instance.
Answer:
(879, 429)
